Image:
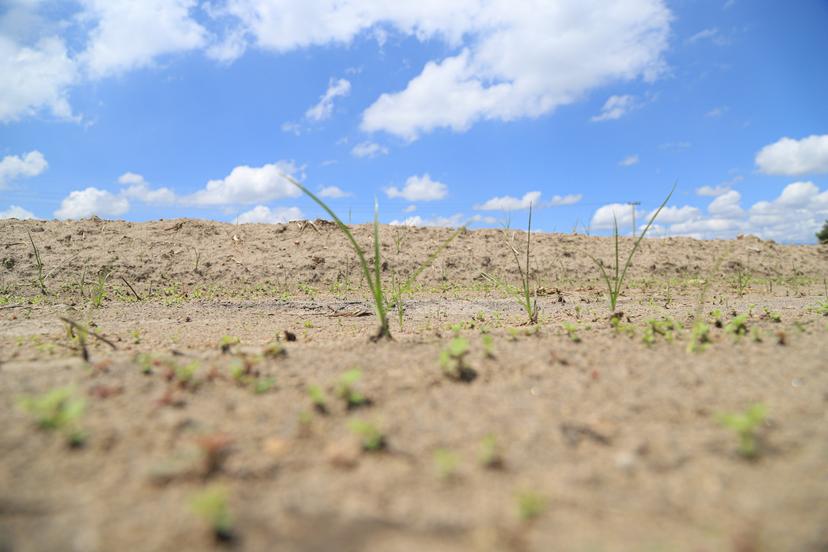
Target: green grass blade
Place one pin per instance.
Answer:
(378, 298)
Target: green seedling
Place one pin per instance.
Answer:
(308, 324)
(742, 282)
(371, 437)
(524, 294)
(445, 462)
(318, 398)
(490, 455)
(615, 279)
(746, 425)
(488, 345)
(699, 338)
(347, 391)
(572, 331)
(822, 308)
(211, 505)
(621, 327)
(772, 316)
(737, 326)
(756, 334)
(665, 327)
(41, 275)
(274, 350)
(136, 337)
(452, 360)
(58, 410)
(185, 374)
(227, 342)
(99, 289)
(717, 317)
(263, 385)
(530, 505)
(374, 280)
(145, 362)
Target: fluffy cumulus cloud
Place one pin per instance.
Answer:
(791, 157)
(368, 149)
(324, 109)
(333, 192)
(138, 188)
(129, 34)
(13, 167)
(615, 107)
(265, 215)
(16, 212)
(712, 191)
(794, 216)
(452, 221)
(509, 203)
(419, 188)
(248, 185)
(569, 199)
(35, 78)
(92, 201)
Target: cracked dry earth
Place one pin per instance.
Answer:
(575, 435)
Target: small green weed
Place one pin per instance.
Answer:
(211, 505)
(452, 360)
(746, 425)
(530, 505)
(58, 410)
(371, 438)
(699, 338)
(346, 389)
(572, 331)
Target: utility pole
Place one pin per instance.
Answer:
(633, 204)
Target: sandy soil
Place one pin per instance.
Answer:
(616, 441)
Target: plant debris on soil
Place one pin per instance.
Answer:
(189, 385)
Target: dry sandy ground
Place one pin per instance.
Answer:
(616, 440)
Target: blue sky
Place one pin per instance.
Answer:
(445, 112)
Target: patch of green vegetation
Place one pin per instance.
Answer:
(446, 463)
(58, 410)
(227, 342)
(211, 505)
(772, 316)
(746, 426)
(347, 391)
(318, 398)
(699, 338)
(665, 327)
(490, 455)
(371, 438)
(452, 360)
(488, 345)
(530, 505)
(615, 279)
(572, 332)
(737, 326)
(99, 289)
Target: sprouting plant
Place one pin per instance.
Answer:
(621, 327)
(452, 360)
(530, 505)
(58, 410)
(371, 437)
(184, 374)
(145, 362)
(227, 342)
(308, 324)
(99, 290)
(699, 338)
(41, 275)
(716, 315)
(665, 327)
(347, 391)
(822, 308)
(263, 385)
(772, 316)
(374, 280)
(445, 461)
(136, 336)
(274, 350)
(746, 425)
(488, 345)
(211, 505)
(756, 334)
(742, 281)
(737, 326)
(490, 455)
(318, 398)
(572, 331)
(615, 279)
(524, 294)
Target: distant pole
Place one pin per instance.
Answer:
(633, 204)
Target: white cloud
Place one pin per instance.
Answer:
(452, 221)
(419, 188)
(265, 215)
(247, 185)
(131, 34)
(616, 107)
(410, 209)
(712, 191)
(569, 199)
(33, 78)
(368, 149)
(794, 216)
(333, 192)
(509, 203)
(138, 188)
(712, 34)
(230, 48)
(629, 161)
(791, 157)
(13, 167)
(726, 205)
(606, 216)
(91, 201)
(15, 212)
(292, 128)
(324, 109)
